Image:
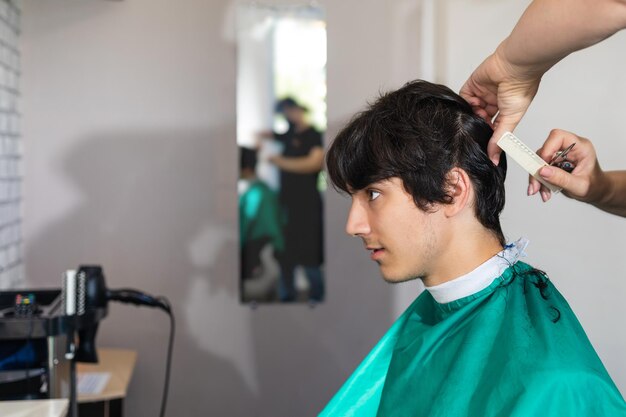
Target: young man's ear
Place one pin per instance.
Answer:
(460, 189)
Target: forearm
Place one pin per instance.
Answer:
(308, 164)
(549, 30)
(614, 198)
(297, 165)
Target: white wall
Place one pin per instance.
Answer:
(129, 122)
(11, 258)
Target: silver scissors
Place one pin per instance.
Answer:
(560, 159)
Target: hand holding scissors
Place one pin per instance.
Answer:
(580, 175)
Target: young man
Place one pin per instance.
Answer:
(259, 222)
(490, 336)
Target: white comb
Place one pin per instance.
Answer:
(526, 157)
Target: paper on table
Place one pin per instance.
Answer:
(92, 382)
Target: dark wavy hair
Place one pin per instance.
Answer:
(418, 134)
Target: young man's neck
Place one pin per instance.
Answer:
(464, 253)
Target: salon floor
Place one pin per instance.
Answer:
(262, 288)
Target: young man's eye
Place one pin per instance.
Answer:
(373, 195)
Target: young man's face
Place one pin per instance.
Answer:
(405, 241)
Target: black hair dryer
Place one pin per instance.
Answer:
(86, 298)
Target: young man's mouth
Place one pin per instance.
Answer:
(376, 253)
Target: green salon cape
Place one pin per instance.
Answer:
(512, 349)
(259, 215)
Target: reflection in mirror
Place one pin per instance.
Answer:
(281, 117)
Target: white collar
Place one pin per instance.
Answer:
(481, 277)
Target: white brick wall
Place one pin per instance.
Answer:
(11, 267)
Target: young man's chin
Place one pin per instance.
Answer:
(396, 278)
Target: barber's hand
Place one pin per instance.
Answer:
(274, 159)
(497, 86)
(587, 182)
(264, 134)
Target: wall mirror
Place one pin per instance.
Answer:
(281, 120)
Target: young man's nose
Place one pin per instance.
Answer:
(357, 224)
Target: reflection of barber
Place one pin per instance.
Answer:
(300, 164)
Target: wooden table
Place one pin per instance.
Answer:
(120, 363)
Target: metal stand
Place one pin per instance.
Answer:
(73, 410)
